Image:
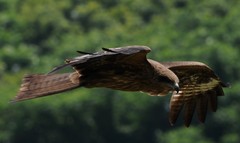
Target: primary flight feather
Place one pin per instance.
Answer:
(193, 84)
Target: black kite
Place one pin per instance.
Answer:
(193, 84)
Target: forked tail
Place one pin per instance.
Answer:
(39, 85)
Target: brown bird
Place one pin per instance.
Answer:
(193, 84)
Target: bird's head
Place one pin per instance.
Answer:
(169, 81)
(166, 80)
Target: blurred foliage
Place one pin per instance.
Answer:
(35, 36)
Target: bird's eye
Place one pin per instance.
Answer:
(163, 79)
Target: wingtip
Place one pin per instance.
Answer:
(202, 120)
(172, 120)
(187, 125)
(227, 84)
(187, 122)
(171, 123)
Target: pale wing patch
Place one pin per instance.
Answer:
(210, 85)
(193, 88)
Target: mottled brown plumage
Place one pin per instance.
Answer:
(199, 87)
(193, 84)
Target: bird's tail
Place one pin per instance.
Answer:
(39, 85)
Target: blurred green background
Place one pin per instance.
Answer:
(37, 35)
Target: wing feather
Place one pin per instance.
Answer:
(128, 54)
(189, 108)
(201, 107)
(176, 105)
(199, 87)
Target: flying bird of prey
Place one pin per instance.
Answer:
(194, 86)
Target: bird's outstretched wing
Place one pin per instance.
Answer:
(128, 54)
(199, 88)
(90, 65)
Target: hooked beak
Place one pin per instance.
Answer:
(176, 87)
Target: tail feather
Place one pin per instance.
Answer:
(39, 85)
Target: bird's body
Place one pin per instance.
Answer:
(124, 77)
(128, 69)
